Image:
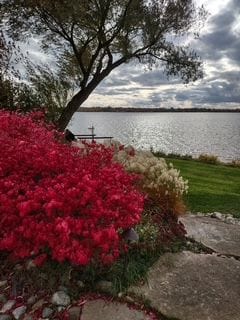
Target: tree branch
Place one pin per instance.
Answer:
(120, 25)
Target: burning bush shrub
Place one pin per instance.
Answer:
(57, 200)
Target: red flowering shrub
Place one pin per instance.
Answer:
(58, 201)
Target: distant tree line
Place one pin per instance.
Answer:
(118, 109)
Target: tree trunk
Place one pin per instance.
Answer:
(79, 98)
(71, 108)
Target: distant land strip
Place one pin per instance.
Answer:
(111, 109)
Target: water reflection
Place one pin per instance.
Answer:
(184, 133)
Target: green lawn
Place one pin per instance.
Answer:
(211, 187)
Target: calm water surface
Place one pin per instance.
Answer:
(183, 133)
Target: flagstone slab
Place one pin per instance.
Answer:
(107, 310)
(215, 234)
(189, 286)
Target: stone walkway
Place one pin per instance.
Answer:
(99, 309)
(180, 286)
(190, 286)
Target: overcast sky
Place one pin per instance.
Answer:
(219, 46)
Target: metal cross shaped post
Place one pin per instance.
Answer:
(92, 132)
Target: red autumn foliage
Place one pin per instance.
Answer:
(57, 200)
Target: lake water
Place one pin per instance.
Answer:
(183, 133)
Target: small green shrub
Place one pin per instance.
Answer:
(161, 154)
(179, 156)
(235, 163)
(208, 158)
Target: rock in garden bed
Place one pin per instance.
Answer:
(224, 238)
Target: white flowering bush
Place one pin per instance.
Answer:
(158, 176)
(162, 182)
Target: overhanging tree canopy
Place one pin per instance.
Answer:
(90, 38)
(13, 95)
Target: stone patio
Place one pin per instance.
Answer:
(191, 286)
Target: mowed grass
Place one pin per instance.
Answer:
(211, 187)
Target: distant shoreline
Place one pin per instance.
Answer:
(110, 109)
